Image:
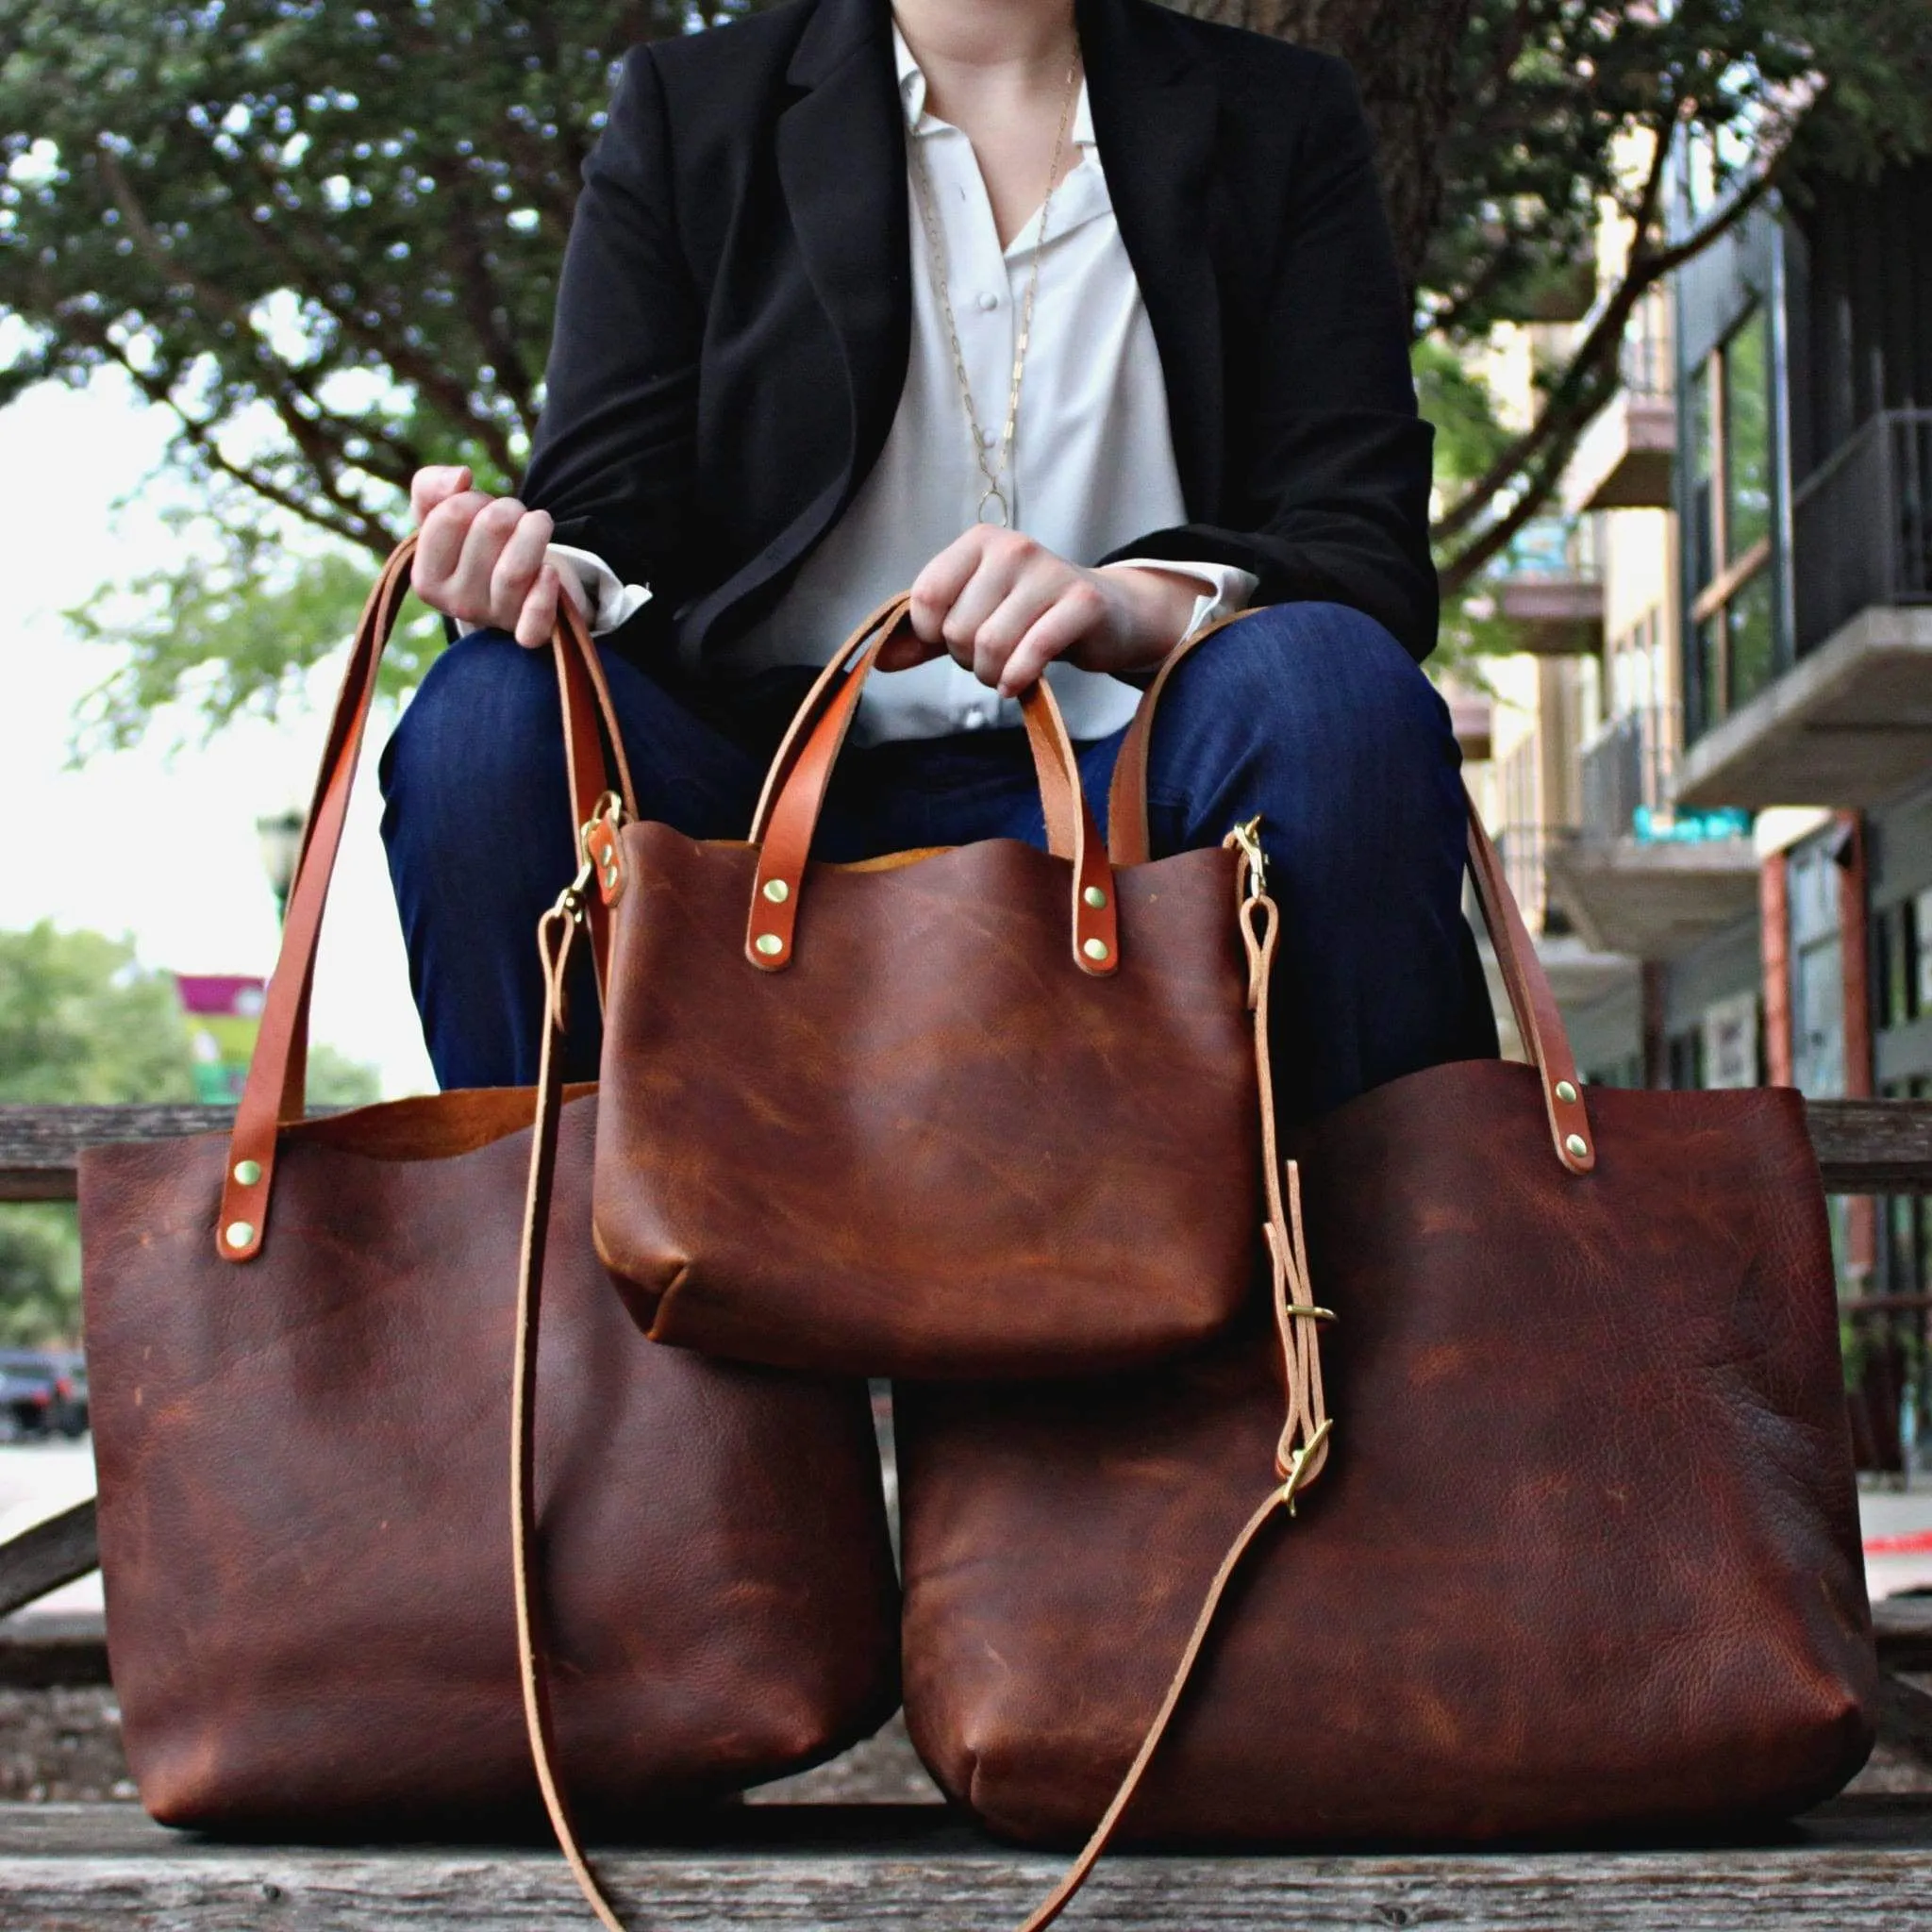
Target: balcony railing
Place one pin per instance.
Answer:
(1525, 851)
(1863, 527)
(1628, 774)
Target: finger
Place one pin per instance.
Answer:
(941, 582)
(909, 648)
(490, 530)
(1004, 558)
(1016, 614)
(440, 548)
(1065, 624)
(436, 483)
(574, 588)
(538, 618)
(516, 567)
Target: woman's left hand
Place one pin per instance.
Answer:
(1006, 607)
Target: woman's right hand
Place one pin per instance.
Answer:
(480, 559)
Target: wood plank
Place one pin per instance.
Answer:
(51, 1553)
(74, 1653)
(58, 1662)
(1859, 1863)
(1863, 1145)
(38, 1145)
(1905, 1715)
(1872, 1146)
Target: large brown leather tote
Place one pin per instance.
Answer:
(1585, 1549)
(301, 1339)
(899, 1118)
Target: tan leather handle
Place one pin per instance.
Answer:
(794, 794)
(1539, 1020)
(275, 1089)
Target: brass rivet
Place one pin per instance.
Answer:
(777, 892)
(768, 943)
(237, 1234)
(1565, 1092)
(247, 1172)
(1096, 949)
(1577, 1145)
(1095, 897)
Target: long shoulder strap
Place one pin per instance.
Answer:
(274, 1092)
(1539, 1022)
(1300, 1453)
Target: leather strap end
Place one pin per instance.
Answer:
(246, 1194)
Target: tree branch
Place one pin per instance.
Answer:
(1580, 393)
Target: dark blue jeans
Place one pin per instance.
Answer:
(1310, 714)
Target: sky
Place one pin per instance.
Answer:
(158, 842)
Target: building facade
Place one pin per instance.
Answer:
(1716, 783)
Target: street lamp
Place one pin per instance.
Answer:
(280, 834)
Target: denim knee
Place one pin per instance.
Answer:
(1320, 679)
(480, 746)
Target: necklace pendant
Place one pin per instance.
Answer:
(997, 514)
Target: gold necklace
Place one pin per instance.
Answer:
(994, 492)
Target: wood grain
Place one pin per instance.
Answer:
(47, 1555)
(1858, 1863)
(1872, 1146)
(1864, 1146)
(38, 1145)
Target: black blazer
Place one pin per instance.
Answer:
(734, 312)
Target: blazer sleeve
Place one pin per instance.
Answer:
(614, 457)
(1336, 479)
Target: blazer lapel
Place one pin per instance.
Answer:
(840, 150)
(841, 164)
(1153, 119)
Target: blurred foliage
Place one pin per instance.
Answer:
(325, 236)
(231, 634)
(83, 1023)
(1551, 93)
(40, 1274)
(80, 1022)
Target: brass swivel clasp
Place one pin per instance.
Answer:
(1248, 838)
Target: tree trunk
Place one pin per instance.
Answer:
(1404, 53)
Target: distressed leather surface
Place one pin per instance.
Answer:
(303, 1517)
(1586, 1554)
(931, 1146)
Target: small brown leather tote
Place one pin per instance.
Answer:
(300, 1337)
(1585, 1552)
(899, 1118)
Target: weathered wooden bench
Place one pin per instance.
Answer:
(1862, 1861)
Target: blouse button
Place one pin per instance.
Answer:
(989, 301)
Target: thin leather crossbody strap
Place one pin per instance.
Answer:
(1539, 1021)
(1300, 1455)
(274, 1090)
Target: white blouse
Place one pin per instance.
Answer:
(1092, 460)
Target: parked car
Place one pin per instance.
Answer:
(42, 1393)
(70, 1413)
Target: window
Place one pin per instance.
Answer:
(1751, 662)
(1732, 1029)
(1818, 1006)
(1900, 962)
(1919, 962)
(1685, 1055)
(1734, 608)
(1747, 437)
